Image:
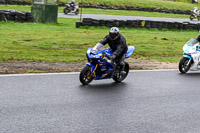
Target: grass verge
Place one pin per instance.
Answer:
(35, 71)
(101, 11)
(63, 42)
(164, 4)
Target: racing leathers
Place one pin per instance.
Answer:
(119, 47)
(72, 5)
(195, 11)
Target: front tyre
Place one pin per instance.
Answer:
(66, 11)
(119, 77)
(85, 76)
(184, 65)
(191, 17)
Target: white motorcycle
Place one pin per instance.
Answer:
(195, 15)
(68, 9)
(191, 57)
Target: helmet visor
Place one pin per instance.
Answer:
(113, 36)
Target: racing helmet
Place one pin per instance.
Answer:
(114, 33)
(195, 8)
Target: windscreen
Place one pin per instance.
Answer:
(192, 42)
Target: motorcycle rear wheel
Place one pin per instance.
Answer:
(183, 67)
(198, 18)
(77, 12)
(118, 77)
(85, 75)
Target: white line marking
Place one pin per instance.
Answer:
(73, 73)
(38, 74)
(156, 70)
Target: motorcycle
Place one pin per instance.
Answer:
(99, 66)
(68, 9)
(191, 57)
(195, 15)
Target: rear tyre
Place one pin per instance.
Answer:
(77, 12)
(119, 77)
(198, 18)
(183, 65)
(85, 75)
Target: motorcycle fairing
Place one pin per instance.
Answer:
(187, 56)
(195, 58)
(103, 74)
(96, 58)
(96, 55)
(101, 64)
(130, 51)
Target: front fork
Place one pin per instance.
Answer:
(93, 70)
(189, 57)
(188, 63)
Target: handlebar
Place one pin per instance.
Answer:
(92, 53)
(104, 56)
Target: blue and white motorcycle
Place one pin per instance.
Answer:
(191, 57)
(99, 66)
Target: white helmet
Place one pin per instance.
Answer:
(195, 8)
(114, 33)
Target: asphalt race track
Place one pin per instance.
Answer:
(146, 102)
(118, 17)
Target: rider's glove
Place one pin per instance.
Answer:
(111, 58)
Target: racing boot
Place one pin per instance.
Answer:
(122, 70)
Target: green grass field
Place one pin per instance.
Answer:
(164, 4)
(63, 42)
(132, 13)
(185, 1)
(101, 11)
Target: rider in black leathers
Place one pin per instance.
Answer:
(72, 5)
(198, 38)
(117, 42)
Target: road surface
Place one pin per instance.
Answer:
(118, 17)
(146, 102)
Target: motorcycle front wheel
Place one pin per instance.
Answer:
(119, 77)
(66, 11)
(183, 65)
(192, 17)
(85, 76)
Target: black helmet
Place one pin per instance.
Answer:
(114, 33)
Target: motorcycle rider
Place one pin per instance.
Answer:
(194, 1)
(195, 10)
(117, 43)
(198, 38)
(72, 5)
